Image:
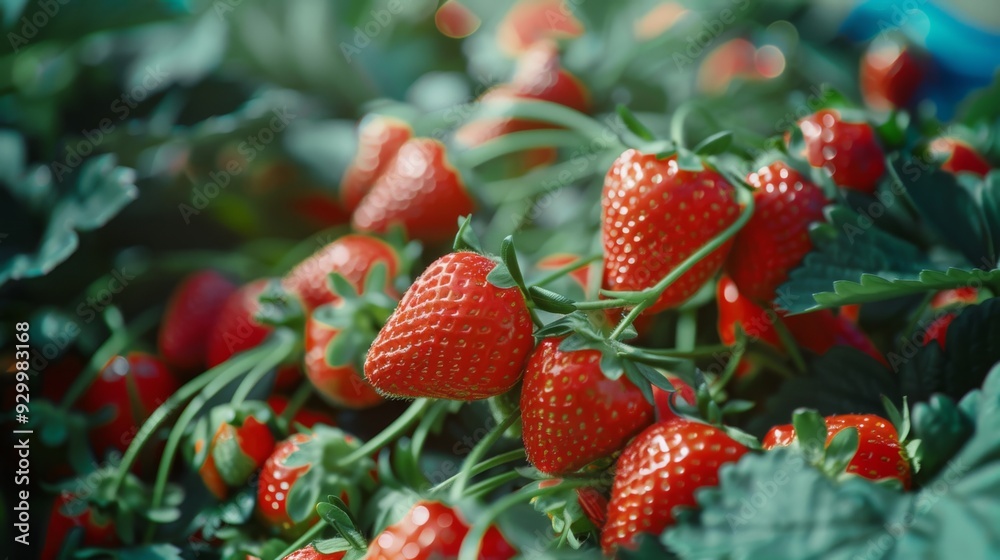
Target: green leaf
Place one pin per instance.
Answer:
(714, 144)
(551, 301)
(810, 433)
(633, 374)
(234, 466)
(466, 239)
(304, 495)
(501, 277)
(841, 450)
(342, 286)
(341, 521)
(989, 200)
(509, 257)
(942, 429)
(633, 124)
(688, 161)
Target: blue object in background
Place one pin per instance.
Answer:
(965, 51)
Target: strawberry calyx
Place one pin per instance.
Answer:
(811, 436)
(231, 442)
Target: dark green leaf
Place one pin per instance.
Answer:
(841, 450)
(501, 277)
(633, 124)
(714, 144)
(340, 520)
(551, 301)
(942, 429)
(509, 257)
(810, 433)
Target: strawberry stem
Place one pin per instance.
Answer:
(483, 488)
(272, 351)
(479, 450)
(273, 359)
(403, 423)
(653, 293)
(299, 398)
(117, 343)
(473, 540)
(496, 461)
(552, 113)
(517, 142)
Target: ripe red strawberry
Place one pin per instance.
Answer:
(879, 453)
(660, 470)
(890, 75)
(776, 238)
(432, 530)
(307, 460)
(419, 190)
(240, 442)
(190, 315)
(848, 151)
(683, 395)
(655, 216)
(237, 330)
(343, 385)
(957, 296)
(817, 331)
(303, 416)
(351, 256)
(454, 335)
(937, 330)
(571, 413)
(379, 139)
(309, 552)
(68, 512)
(594, 505)
(132, 387)
(530, 21)
(959, 157)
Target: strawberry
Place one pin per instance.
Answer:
(817, 331)
(132, 387)
(879, 453)
(237, 330)
(304, 417)
(432, 530)
(539, 76)
(579, 510)
(344, 384)
(302, 470)
(530, 21)
(683, 395)
(890, 75)
(847, 151)
(734, 59)
(190, 315)
(309, 552)
(68, 513)
(776, 238)
(660, 470)
(379, 139)
(959, 157)
(957, 296)
(455, 20)
(655, 216)
(454, 335)
(572, 414)
(238, 444)
(937, 330)
(419, 190)
(351, 256)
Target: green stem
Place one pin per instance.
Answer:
(637, 355)
(515, 455)
(677, 122)
(601, 304)
(697, 352)
(116, 344)
(788, 341)
(264, 367)
(564, 270)
(552, 113)
(427, 423)
(309, 535)
(653, 293)
(479, 450)
(517, 142)
(687, 330)
(473, 540)
(393, 431)
(483, 488)
(298, 399)
(540, 181)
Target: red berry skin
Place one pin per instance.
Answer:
(379, 140)
(309, 552)
(419, 190)
(957, 296)
(453, 336)
(683, 394)
(776, 238)
(69, 511)
(571, 413)
(531, 21)
(254, 440)
(937, 331)
(126, 381)
(660, 470)
(275, 482)
(352, 256)
(343, 385)
(890, 76)
(236, 330)
(655, 215)
(959, 157)
(847, 151)
(879, 453)
(434, 531)
(190, 315)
